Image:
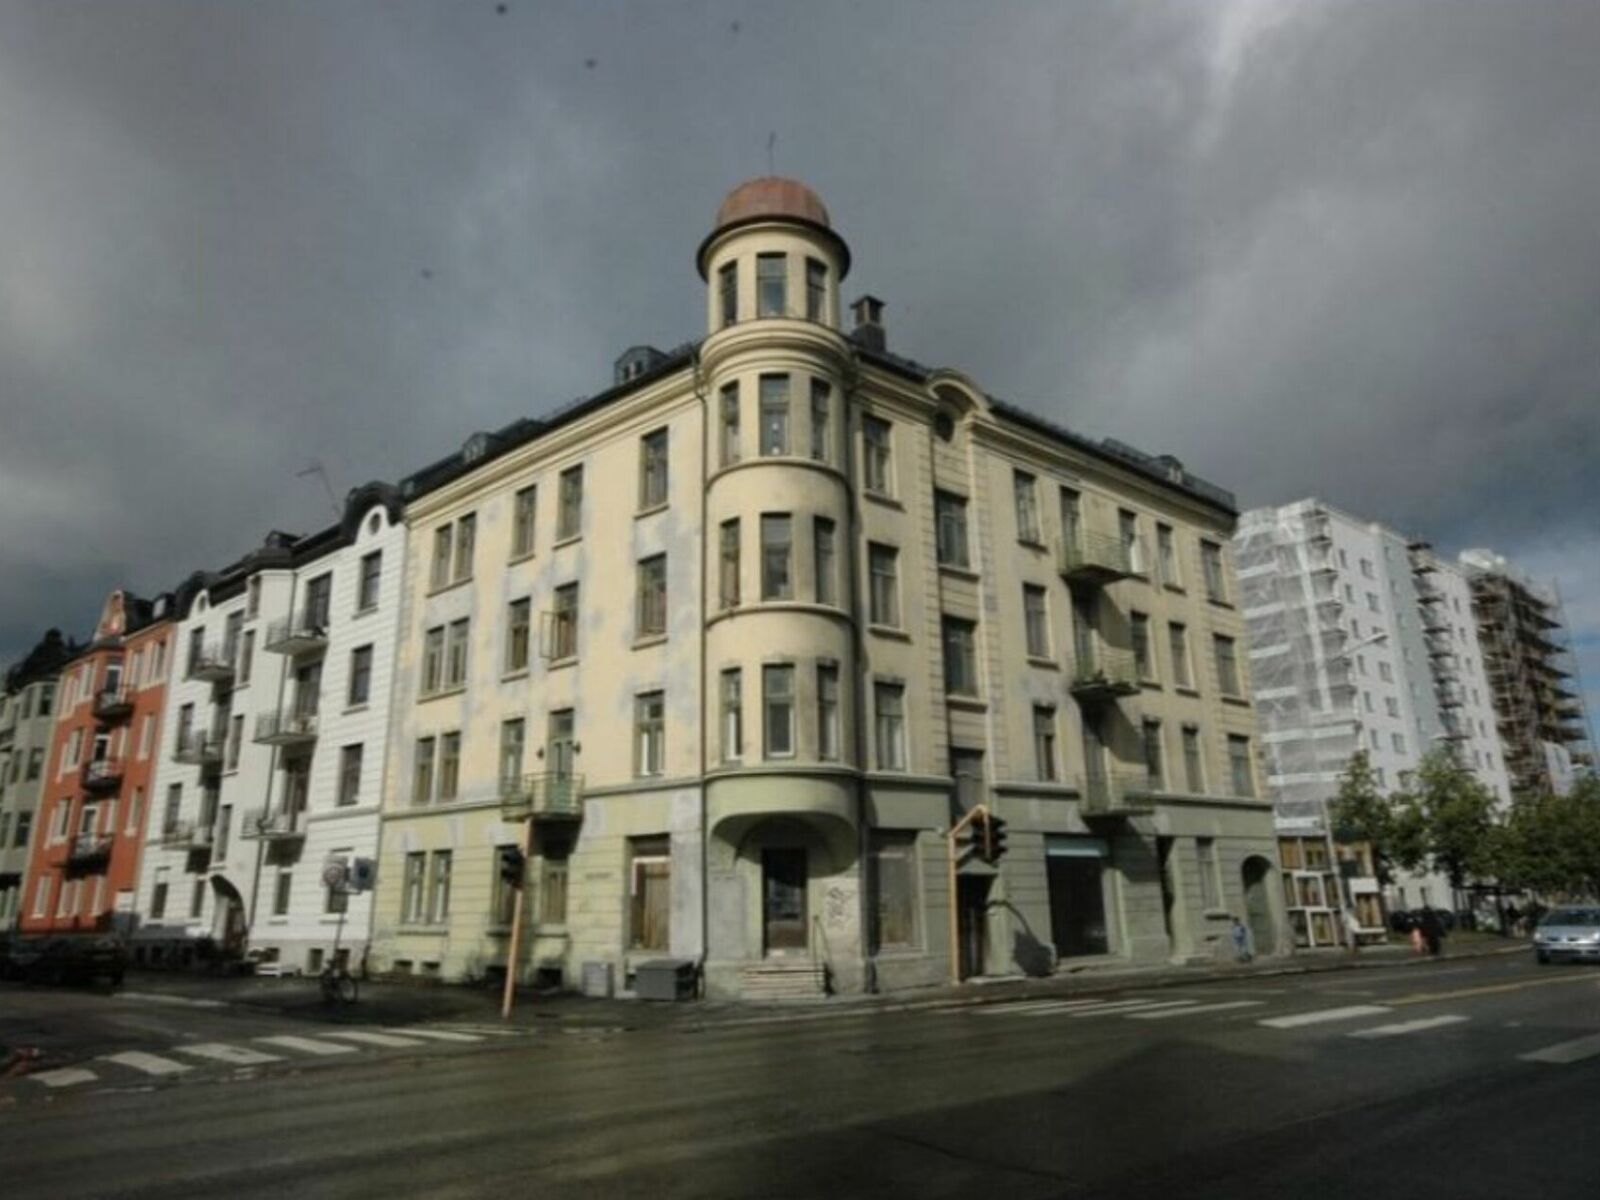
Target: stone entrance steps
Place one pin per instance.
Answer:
(782, 979)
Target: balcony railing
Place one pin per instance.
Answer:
(212, 664)
(197, 748)
(187, 835)
(286, 728)
(298, 634)
(102, 775)
(273, 824)
(88, 849)
(1114, 793)
(1104, 675)
(1097, 558)
(112, 704)
(548, 796)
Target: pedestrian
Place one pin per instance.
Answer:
(1241, 941)
(1432, 931)
(1417, 944)
(1352, 929)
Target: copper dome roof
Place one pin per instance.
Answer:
(772, 197)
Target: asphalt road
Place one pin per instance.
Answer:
(1461, 1079)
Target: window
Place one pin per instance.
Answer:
(892, 878)
(569, 520)
(513, 736)
(1139, 633)
(653, 469)
(1193, 771)
(771, 283)
(1071, 517)
(950, 513)
(730, 424)
(1399, 742)
(821, 411)
(1167, 556)
(554, 853)
(1239, 765)
(367, 585)
(1036, 620)
(360, 675)
(1178, 648)
(876, 440)
(455, 659)
(889, 709)
(827, 711)
(816, 290)
(519, 619)
(1372, 601)
(650, 893)
(281, 893)
(524, 509)
(422, 774)
(1211, 565)
(439, 888)
(1025, 494)
(1154, 767)
(1227, 665)
(319, 595)
(247, 651)
(728, 565)
(728, 291)
(349, 774)
(1366, 699)
(1366, 568)
(1385, 672)
(252, 603)
(774, 415)
(449, 765)
(1044, 741)
(650, 733)
(822, 538)
(883, 569)
(732, 715)
(960, 657)
(135, 807)
(411, 910)
(651, 603)
(433, 660)
(443, 539)
(36, 762)
(1205, 852)
(235, 743)
(776, 583)
(466, 543)
(564, 623)
(777, 704)
(1128, 535)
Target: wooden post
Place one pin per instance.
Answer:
(516, 927)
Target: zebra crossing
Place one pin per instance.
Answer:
(179, 1059)
(1159, 1007)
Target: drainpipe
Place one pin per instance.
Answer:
(848, 394)
(272, 771)
(706, 435)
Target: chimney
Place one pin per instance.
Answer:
(868, 332)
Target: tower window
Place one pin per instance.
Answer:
(772, 271)
(816, 290)
(728, 291)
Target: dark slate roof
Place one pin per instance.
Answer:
(44, 661)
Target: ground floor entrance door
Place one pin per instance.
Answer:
(783, 893)
(1258, 908)
(1075, 875)
(972, 924)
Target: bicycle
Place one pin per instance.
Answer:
(338, 985)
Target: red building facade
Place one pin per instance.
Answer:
(90, 828)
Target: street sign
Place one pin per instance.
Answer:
(363, 875)
(335, 872)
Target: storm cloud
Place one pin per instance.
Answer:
(1342, 249)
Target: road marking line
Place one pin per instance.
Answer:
(163, 998)
(222, 1052)
(1323, 1014)
(1417, 1026)
(1184, 1012)
(1134, 1009)
(498, 1031)
(373, 1039)
(1566, 1052)
(64, 1077)
(306, 1045)
(150, 1064)
(443, 1035)
(1491, 988)
(1006, 1010)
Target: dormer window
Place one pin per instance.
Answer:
(728, 290)
(772, 272)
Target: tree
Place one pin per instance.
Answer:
(1453, 819)
(1361, 813)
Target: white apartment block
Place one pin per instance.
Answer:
(274, 745)
(1359, 640)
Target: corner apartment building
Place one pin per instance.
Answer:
(1359, 640)
(1538, 703)
(273, 762)
(27, 723)
(741, 637)
(84, 864)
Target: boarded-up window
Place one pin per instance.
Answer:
(894, 890)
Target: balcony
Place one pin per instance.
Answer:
(1115, 793)
(547, 796)
(114, 704)
(187, 835)
(89, 849)
(1103, 677)
(299, 634)
(211, 664)
(273, 825)
(1096, 558)
(286, 729)
(102, 775)
(198, 749)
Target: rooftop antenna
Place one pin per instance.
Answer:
(772, 141)
(316, 468)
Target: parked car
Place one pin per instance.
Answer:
(80, 958)
(1565, 933)
(1401, 921)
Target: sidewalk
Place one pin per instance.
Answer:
(399, 1004)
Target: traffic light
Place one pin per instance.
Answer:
(513, 865)
(997, 837)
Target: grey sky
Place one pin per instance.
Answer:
(1343, 249)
